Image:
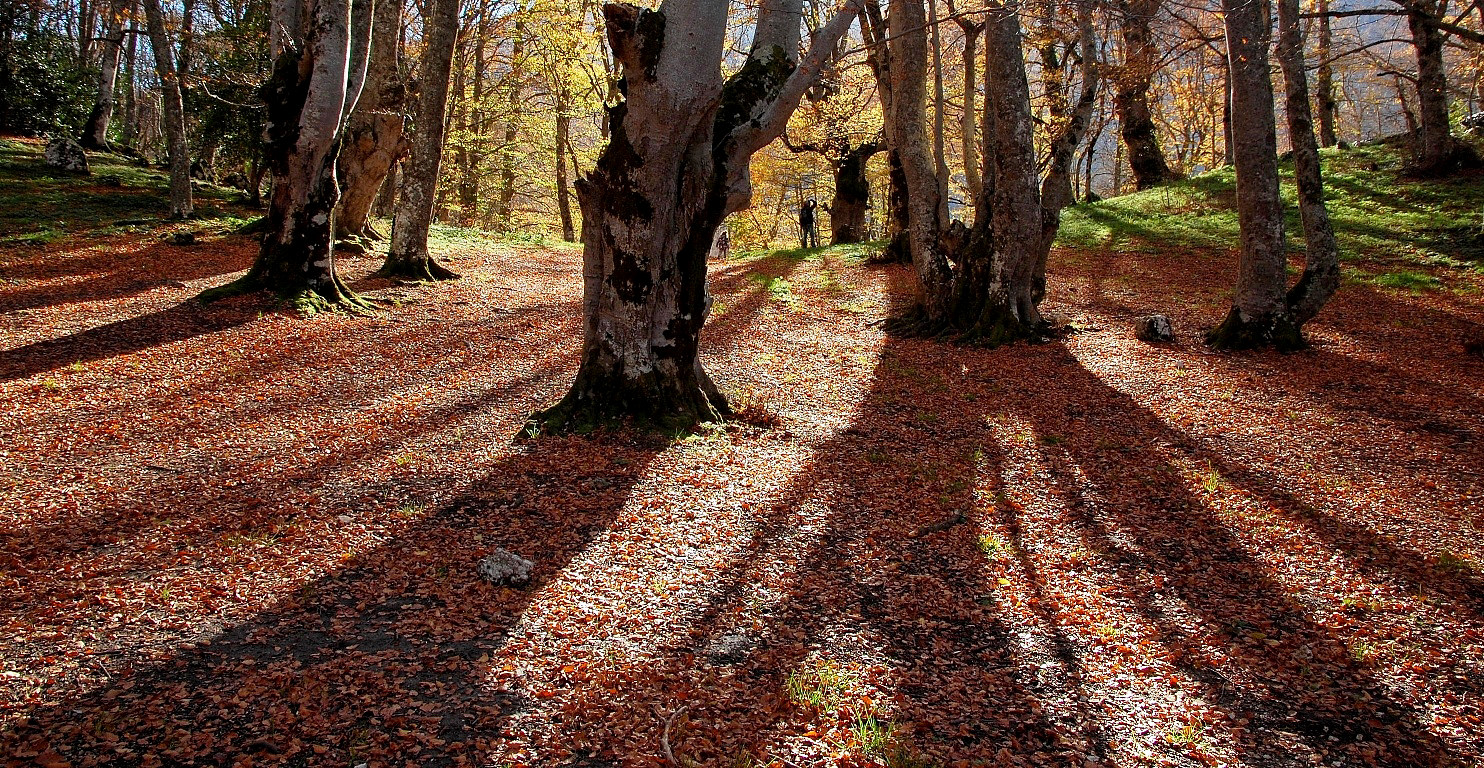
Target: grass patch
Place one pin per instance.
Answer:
(1377, 214)
(1409, 280)
(822, 686)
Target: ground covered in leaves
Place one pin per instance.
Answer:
(231, 535)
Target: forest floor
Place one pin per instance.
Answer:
(231, 535)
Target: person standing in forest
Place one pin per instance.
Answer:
(808, 233)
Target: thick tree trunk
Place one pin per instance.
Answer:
(1131, 93)
(1324, 80)
(1437, 152)
(1259, 315)
(898, 226)
(181, 204)
(676, 164)
(309, 96)
(1322, 256)
(409, 257)
(852, 195)
(374, 138)
(95, 132)
(906, 130)
(386, 199)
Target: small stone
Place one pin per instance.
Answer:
(1154, 328)
(504, 567)
(183, 238)
(731, 648)
(67, 155)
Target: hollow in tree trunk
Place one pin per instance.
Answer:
(852, 195)
(308, 96)
(408, 257)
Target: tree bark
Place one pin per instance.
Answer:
(1321, 276)
(676, 164)
(1259, 315)
(852, 195)
(408, 256)
(310, 94)
(563, 146)
(1437, 152)
(874, 30)
(503, 214)
(181, 204)
(1324, 82)
(1056, 187)
(374, 136)
(95, 132)
(1131, 93)
(968, 124)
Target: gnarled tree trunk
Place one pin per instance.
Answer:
(311, 92)
(675, 166)
(1437, 152)
(408, 256)
(181, 204)
(1259, 315)
(1131, 93)
(374, 135)
(852, 195)
(1056, 187)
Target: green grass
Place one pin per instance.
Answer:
(852, 253)
(40, 206)
(1377, 213)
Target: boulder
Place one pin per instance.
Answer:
(67, 155)
(1154, 328)
(505, 568)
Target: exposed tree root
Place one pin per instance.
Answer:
(308, 300)
(647, 405)
(415, 270)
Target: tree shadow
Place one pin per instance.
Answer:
(109, 274)
(186, 320)
(385, 659)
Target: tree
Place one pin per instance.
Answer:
(1131, 93)
(1324, 83)
(374, 139)
(1437, 152)
(676, 164)
(181, 205)
(317, 78)
(1259, 315)
(95, 132)
(408, 256)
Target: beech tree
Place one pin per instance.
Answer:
(374, 139)
(408, 256)
(1265, 311)
(95, 132)
(174, 122)
(317, 77)
(1131, 93)
(675, 165)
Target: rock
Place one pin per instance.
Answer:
(1154, 328)
(235, 180)
(505, 568)
(1475, 347)
(68, 155)
(731, 648)
(183, 238)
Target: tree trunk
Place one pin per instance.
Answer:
(940, 154)
(676, 164)
(852, 195)
(968, 124)
(873, 29)
(374, 138)
(503, 213)
(181, 206)
(1259, 314)
(409, 257)
(563, 141)
(1056, 188)
(1324, 82)
(386, 199)
(309, 95)
(95, 132)
(906, 130)
(1322, 257)
(1131, 94)
(1437, 152)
